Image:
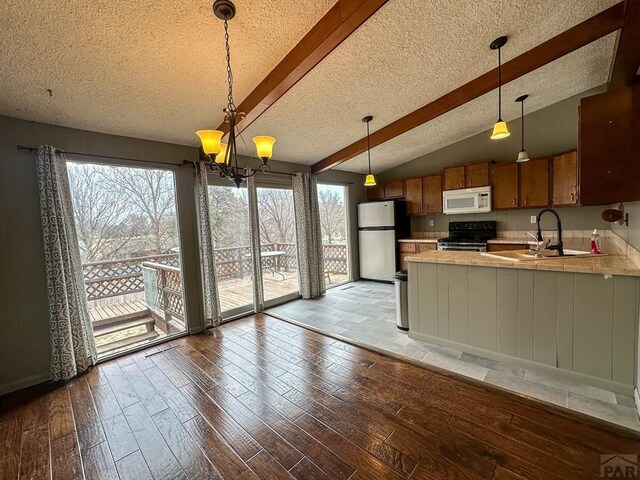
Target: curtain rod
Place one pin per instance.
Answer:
(95, 155)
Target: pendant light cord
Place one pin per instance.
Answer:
(522, 116)
(368, 148)
(499, 85)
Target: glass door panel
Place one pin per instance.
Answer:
(229, 210)
(278, 244)
(333, 224)
(128, 236)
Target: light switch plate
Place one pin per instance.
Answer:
(533, 219)
(431, 223)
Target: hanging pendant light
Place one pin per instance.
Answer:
(523, 156)
(224, 157)
(370, 180)
(500, 129)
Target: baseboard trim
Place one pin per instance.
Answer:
(24, 383)
(530, 364)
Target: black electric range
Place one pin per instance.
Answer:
(468, 236)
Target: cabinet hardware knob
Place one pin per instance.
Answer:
(525, 200)
(514, 202)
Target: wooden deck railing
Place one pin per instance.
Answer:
(111, 278)
(163, 295)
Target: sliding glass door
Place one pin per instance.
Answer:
(128, 236)
(332, 200)
(229, 211)
(278, 244)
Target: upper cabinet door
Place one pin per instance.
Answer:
(453, 178)
(534, 183)
(432, 194)
(394, 189)
(505, 185)
(609, 142)
(413, 196)
(564, 179)
(476, 175)
(376, 192)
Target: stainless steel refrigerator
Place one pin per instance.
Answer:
(380, 225)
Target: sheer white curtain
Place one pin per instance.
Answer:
(254, 237)
(210, 285)
(309, 236)
(73, 348)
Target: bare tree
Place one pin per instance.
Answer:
(100, 214)
(277, 218)
(229, 210)
(332, 214)
(151, 193)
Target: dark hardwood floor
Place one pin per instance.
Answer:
(261, 398)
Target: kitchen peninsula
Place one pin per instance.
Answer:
(577, 316)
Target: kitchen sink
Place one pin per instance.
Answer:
(526, 255)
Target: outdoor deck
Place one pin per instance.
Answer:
(134, 300)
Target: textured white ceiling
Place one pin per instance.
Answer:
(404, 56)
(575, 73)
(155, 70)
(148, 69)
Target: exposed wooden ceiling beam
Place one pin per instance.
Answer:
(627, 59)
(334, 27)
(572, 39)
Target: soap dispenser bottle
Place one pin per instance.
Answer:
(595, 242)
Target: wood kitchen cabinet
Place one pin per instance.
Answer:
(411, 248)
(504, 178)
(375, 192)
(503, 247)
(394, 189)
(406, 249)
(476, 175)
(564, 179)
(432, 194)
(413, 196)
(453, 178)
(609, 142)
(533, 180)
(426, 247)
(466, 176)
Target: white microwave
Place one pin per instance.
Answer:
(466, 200)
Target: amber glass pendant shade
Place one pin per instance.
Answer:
(210, 140)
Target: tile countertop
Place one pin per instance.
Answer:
(615, 262)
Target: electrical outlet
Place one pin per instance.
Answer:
(533, 219)
(431, 223)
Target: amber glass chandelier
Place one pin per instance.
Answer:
(224, 157)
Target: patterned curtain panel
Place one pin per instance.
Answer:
(256, 259)
(210, 285)
(73, 349)
(309, 236)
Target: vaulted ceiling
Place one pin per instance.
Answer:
(156, 71)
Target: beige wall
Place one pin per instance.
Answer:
(24, 337)
(550, 130)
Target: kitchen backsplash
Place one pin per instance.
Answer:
(631, 234)
(573, 218)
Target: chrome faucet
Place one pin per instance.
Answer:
(558, 246)
(534, 251)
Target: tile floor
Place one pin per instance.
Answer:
(366, 312)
